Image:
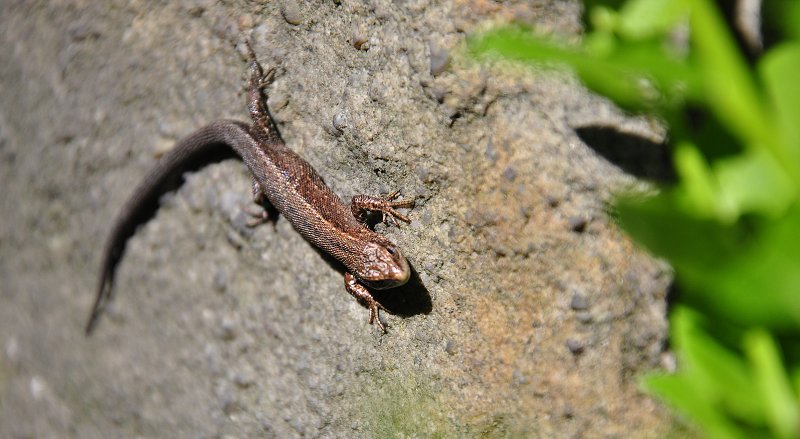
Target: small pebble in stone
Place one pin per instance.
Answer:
(12, 351)
(501, 250)
(359, 38)
(585, 317)
(226, 29)
(525, 211)
(450, 347)
(440, 58)
(245, 21)
(83, 32)
(376, 94)
(291, 12)
(339, 122)
(227, 331)
(491, 152)
(438, 93)
(244, 377)
(220, 280)
(510, 173)
(579, 302)
(229, 405)
(578, 223)
(575, 346)
(430, 267)
(235, 239)
(195, 8)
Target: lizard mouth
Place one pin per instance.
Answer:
(395, 277)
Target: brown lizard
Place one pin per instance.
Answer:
(292, 186)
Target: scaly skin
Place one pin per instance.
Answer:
(288, 183)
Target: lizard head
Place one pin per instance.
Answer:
(383, 266)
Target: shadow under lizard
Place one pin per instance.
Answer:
(292, 186)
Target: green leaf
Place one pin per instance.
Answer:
(796, 380)
(730, 88)
(712, 381)
(603, 20)
(754, 183)
(680, 393)
(650, 60)
(783, 411)
(648, 18)
(719, 375)
(635, 75)
(779, 71)
(761, 284)
(519, 45)
(698, 190)
(746, 272)
(783, 16)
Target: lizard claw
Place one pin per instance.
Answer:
(267, 77)
(388, 211)
(374, 315)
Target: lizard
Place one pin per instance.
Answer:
(287, 182)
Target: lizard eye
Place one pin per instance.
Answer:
(392, 251)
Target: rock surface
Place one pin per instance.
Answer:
(220, 331)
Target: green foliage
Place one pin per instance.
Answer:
(730, 226)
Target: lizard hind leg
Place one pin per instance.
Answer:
(364, 296)
(265, 213)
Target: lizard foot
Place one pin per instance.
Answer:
(259, 217)
(363, 205)
(363, 295)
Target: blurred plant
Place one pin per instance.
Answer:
(730, 226)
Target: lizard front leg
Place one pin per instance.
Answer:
(363, 295)
(363, 205)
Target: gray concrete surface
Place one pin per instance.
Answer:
(532, 314)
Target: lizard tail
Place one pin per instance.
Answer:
(212, 143)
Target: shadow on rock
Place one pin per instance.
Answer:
(636, 155)
(406, 300)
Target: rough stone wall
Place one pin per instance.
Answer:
(531, 314)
